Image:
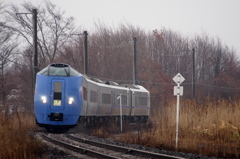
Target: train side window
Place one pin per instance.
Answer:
(124, 99)
(141, 101)
(106, 98)
(93, 96)
(84, 93)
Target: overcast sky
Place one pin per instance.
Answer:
(217, 18)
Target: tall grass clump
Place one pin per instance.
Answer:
(210, 128)
(16, 140)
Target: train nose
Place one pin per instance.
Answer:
(56, 116)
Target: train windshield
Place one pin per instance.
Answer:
(59, 70)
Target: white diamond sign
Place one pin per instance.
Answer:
(178, 78)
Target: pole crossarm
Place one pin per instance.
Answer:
(23, 13)
(76, 34)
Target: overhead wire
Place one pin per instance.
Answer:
(171, 84)
(121, 43)
(14, 62)
(147, 82)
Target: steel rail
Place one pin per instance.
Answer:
(79, 149)
(124, 149)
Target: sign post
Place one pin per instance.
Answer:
(120, 98)
(178, 91)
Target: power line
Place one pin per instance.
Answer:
(147, 82)
(218, 86)
(170, 84)
(14, 62)
(120, 44)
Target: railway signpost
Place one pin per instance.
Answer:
(178, 91)
(120, 98)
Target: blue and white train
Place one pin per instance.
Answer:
(63, 97)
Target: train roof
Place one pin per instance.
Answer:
(59, 69)
(112, 84)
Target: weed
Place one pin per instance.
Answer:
(16, 139)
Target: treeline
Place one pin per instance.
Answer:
(161, 54)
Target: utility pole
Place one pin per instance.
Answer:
(35, 51)
(193, 73)
(134, 60)
(85, 53)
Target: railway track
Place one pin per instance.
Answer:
(101, 150)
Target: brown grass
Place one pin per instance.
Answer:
(211, 128)
(106, 128)
(100, 132)
(15, 137)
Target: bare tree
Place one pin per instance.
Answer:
(6, 56)
(73, 54)
(53, 28)
(53, 34)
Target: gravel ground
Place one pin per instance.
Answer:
(57, 152)
(54, 152)
(109, 141)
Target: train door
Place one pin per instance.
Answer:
(132, 94)
(125, 101)
(57, 95)
(85, 97)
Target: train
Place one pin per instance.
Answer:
(64, 98)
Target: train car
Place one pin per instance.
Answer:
(63, 97)
(100, 99)
(58, 98)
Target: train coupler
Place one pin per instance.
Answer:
(56, 116)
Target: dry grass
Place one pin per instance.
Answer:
(15, 137)
(211, 129)
(100, 132)
(106, 128)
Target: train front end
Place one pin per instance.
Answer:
(58, 97)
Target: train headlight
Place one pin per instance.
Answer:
(70, 100)
(44, 99)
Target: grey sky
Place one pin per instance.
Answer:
(217, 18)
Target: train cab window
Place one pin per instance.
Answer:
(106, 98)
(57, 96)
(93, 96)
(59, 70)
(124, 99)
